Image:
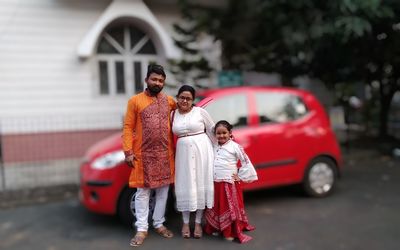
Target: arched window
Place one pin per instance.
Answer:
(123, 54)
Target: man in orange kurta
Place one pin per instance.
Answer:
(148, 147)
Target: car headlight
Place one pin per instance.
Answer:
(109, 160)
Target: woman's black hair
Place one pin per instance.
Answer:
(225, 124)
(187, 88)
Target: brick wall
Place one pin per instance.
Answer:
(49, 146)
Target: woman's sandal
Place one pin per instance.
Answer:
(164, 232)
(138, 239)
(229, 238)
(185, 231)
(198, 231)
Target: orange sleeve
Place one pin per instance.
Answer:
(171, 102)
(129, 127)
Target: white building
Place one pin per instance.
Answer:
(68, 67)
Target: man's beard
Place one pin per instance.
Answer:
(154, 90)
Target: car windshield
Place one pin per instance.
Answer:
(198, 99)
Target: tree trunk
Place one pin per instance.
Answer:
(386, 96)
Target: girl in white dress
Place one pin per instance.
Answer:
(228, 216)
(194, 188)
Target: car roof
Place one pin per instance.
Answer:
(208, 95)
(293, 90)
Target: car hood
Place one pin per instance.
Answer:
(106, 145)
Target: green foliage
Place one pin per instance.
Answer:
(193, 65)
(342, 41)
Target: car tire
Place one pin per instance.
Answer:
(124, 212)
(320, 177)
(126, 206)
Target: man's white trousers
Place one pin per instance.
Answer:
(142, 199)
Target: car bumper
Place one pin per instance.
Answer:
(100, 189)
(98, 196)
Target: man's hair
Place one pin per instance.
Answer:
(155, 68)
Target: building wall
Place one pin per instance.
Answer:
(41, 74)
(49, 105)
(38, 147)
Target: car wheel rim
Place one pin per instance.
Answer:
(152, 202)
(321, 178)
(132, 205)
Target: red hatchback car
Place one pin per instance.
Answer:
(285, 132)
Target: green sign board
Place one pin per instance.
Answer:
(230, 78)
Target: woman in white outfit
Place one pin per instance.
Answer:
(194, 187)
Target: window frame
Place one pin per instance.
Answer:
(128, 57)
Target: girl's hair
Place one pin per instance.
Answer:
(187, 88)
(225, 124)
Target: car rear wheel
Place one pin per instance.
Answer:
(320, 177)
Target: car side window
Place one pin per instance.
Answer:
(232, 108)
(279, 107)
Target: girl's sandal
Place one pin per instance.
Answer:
(138, 239)
(198, 231)
(185, 231)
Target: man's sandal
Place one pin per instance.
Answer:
(138, 239)
(164, 232)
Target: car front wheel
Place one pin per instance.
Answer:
(124, 212)
(320, 177)
(126, 206)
